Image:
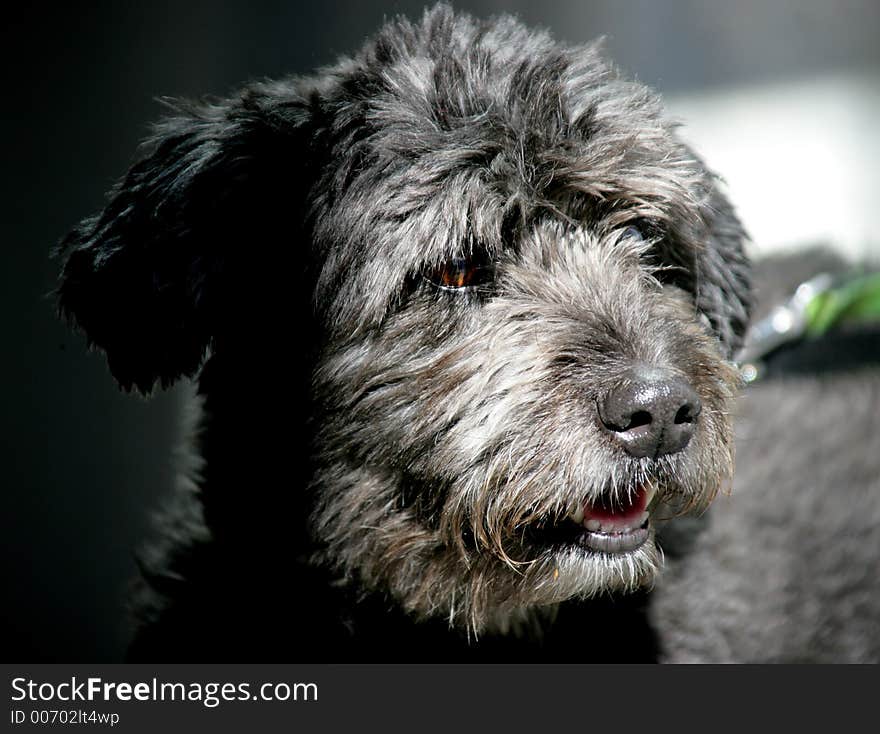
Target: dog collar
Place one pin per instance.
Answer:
(817, 307)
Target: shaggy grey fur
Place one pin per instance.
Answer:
(452, 428)
(498, 412)
(486, 404)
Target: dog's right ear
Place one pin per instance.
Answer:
(152, 277)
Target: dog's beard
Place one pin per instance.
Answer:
(430, 556)
(453, 472)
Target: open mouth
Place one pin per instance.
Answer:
(606, 525)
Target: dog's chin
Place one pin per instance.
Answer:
(573, 571)
(603, 548)
(580, 564)
(581, 571)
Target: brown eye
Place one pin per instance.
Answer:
(459, 273)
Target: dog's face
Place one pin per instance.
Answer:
(523, 290)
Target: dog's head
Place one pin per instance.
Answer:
(520, 291)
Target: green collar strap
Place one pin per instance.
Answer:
(817, 306)
(853, 301)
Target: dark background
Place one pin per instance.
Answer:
(82, 464)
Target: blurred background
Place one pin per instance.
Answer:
(780, 96)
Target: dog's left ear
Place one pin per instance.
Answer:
(723, 290)
(151, 278)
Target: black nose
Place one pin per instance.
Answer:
(652, 412)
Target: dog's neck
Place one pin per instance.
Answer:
(252, 437)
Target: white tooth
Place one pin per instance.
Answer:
(651, 491)
(642, 519)
(578, 515)
(592, 524)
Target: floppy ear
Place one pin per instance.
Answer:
(723, 288)
(148, 279)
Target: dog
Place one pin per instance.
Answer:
(787, 568)
(459, 311)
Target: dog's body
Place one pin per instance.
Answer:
(787, 569)
(459, 310)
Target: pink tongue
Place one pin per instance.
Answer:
(626, 508)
